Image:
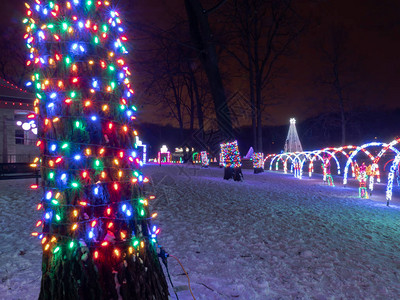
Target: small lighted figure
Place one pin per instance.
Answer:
(326, 166)
(362, 178)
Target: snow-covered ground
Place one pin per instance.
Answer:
(271, 236)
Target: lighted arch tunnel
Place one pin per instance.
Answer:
(300, 158)
(374, 160)
(317, 154)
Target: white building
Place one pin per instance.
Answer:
(16, 144)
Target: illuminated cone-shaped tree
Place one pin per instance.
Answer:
(96, 234)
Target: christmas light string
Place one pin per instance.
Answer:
(84, 112)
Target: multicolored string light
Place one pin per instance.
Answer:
(258, 160)
(93, 188)
(204, 159)
(231, 155)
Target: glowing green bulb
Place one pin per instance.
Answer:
(96, 40)
(73, 94)
(50, 26)
(65, 145)
(122, 107)
(25, 21)
(64, 26)
(51, 4)
(136, 174)
(97, 163)
(105, 28)
(56, 250)
(77, 124)
(142, 212)
(89, 3)
(75, 184)
(113, 85)
(112, 68)
(134, 108)
(38, 86)
(67, 60)
(58, 218)
(135, 243)
(51, 175)
(71, 245)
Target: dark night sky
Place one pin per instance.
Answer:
(373, 28)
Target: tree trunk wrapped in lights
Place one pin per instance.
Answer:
(258, 162)
(231, 160)
(205, 162)
(97, 239)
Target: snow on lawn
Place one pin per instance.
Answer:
(271, 236)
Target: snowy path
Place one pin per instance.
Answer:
(269, 237)
(275, 237)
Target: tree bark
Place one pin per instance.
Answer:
(202, 38)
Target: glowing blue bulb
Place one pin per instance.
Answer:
(31, 56)
(81, 48)
(28, 83)
(94, 118)
(134, 153)
(53, 95)
(120, 29)
(53, 147)
(154, 228)
(112, 14)
(128, 213)
(50, 105)
(63, 176)
(77, 157)
(74, 46)
(48, 195)
(95, 83)
(37, 7)
(140, 178)
(128, 94)
(113, 24)
(141, 163)
(42, 60)
(40, 236)
(91, 234)
(76, 2)
(121, 75)
(80, 24)
(96, 190)
(153, 236)
(47, 216)
(124, 207)
(45, 11)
